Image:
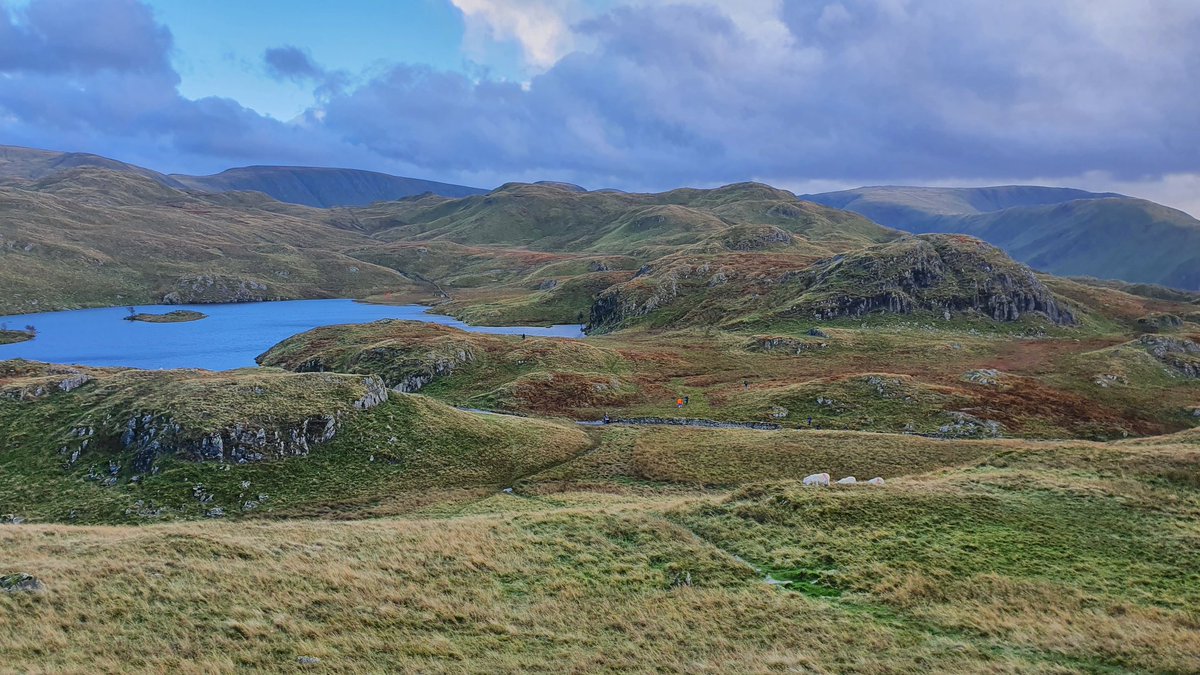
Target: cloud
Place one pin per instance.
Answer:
(540, 27)
(643, 94)
(291, 63)
(702, 92)
(82, 36)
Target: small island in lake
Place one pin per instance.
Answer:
(12, 336)
(177, 316)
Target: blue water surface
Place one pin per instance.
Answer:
(230, 337)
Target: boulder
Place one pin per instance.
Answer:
(875, 481)
(848, 480)
(817, 479)
(21, 583)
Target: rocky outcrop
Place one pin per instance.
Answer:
(788, 345)
(150, 435)
(206, 288)
(1156, 321)
(1180, 354)
(940, 274)
(944, 276)
(755, 237)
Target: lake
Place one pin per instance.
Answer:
(230, 337)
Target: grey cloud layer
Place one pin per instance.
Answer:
(667, 94)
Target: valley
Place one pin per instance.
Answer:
(390, 490)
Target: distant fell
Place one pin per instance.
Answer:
(34, 164)
(322, 187)
(1058, 230)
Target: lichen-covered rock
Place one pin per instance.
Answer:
(21, 583)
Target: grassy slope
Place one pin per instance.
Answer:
(93, 237)
(1049, 558)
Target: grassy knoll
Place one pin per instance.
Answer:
(176, 316)
(137, 446)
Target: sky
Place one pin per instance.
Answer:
(808, 95)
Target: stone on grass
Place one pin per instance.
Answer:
(308, 660)
(817, 479)
(848, 480)
(21, 583)
(875, 481)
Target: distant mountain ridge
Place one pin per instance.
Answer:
(1058, 230)
(309, 186)
(321, 187)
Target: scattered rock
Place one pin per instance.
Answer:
(308, 660)
(848, 480)
(988, 377)
(778, 412)
(216, 512)
(1107, 381)
(74, 382)
(817, 332)
(764, 343)
(21, 583)
(547, 284)
(11, 519)
(817, 479)
(970, 426)
(875, 481)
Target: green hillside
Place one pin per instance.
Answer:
(1056, 230)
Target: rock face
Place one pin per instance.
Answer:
(205, 288)
(941, 274)
(151, 436)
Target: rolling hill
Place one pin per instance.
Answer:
(1057, 230)
(309, 186)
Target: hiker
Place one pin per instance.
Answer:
(522, 336)
(606, 420)
(687, 400)
(745, 384)
(810, 421)
(679, 403)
